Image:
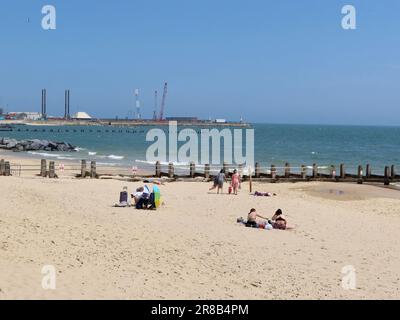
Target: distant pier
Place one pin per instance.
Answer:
(124, 123)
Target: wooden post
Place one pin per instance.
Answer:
(360, 175)
(333, 172)
(386, 180)
(225, 167)
(2, 167)
(251, 179)
(315, 171)
(342, 171)
(43, 168)
(93, 170)
(368, 171)
(207, 171)
(287, 170)
(171, 170)
(273, 172)
(303, 172)
(52, 170)
(392, 172)
(7, 169)
(158, 169)
(192, 169)
(257, 170)
(83, 169)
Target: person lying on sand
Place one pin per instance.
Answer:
(264, 194)
(278, 221)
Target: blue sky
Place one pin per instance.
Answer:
(267, 61)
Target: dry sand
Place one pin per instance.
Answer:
(192, 247)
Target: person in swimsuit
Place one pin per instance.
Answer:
(278, 221)
(252, 218)
(235, 181)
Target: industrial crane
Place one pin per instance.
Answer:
(164, 98)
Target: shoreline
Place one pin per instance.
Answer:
(182, 173)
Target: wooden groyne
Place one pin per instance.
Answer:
(192, 171)
(286, 173)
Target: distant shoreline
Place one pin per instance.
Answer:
(122, 123)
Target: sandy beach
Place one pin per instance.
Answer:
(192, 247)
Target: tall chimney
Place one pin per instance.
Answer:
(44, 98)
(65, 105)
(68, 114)
(41, 110)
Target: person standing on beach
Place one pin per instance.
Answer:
(235, 182)
(221, 179)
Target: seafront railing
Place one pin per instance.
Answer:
(171, 171)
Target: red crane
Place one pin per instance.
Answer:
(164, 98)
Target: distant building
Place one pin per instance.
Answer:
(220, 121)
(24, 115)
(187, 119)
(81, 116)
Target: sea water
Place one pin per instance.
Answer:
(275, 144)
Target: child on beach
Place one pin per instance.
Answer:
(235, 182)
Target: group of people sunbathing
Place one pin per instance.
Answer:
(141, 199)
(278, 221)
